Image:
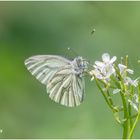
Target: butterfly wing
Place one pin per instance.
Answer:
(43, 67)
(66, 88)
(56, 72)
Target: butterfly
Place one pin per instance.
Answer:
(63, 77)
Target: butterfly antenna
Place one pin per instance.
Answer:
(88, 61)
(74, 52)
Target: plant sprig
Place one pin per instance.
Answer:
(113, 79)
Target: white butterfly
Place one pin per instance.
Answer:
(63, 78)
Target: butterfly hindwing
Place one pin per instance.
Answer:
(66, 89)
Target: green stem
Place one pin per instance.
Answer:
(130, 114)
(137, 118)
(134, 126)
(133, 116)
(109, 97)
(125, 124)
(100, 88)
(126, 115)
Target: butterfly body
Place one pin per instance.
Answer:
(63, 77)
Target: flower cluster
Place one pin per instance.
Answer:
(103, 70)
(127, 80)
(116, 78)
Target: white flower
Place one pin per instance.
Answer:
(106, 60)
(134, 102)
(123, 69)
(136, 98)
(103, 70)
(133, 105)
(96, 73)
(127, 80)
(134, 83)
(116, 91)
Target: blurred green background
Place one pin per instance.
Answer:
(30, 28)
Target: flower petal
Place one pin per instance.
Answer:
(136, 98)
(132, 82)
(106, 57)
(113, 59)
(130, 71)
(116, 91)
(122, 68)
(133, 105)
(99, 64)
(135, 83)
(92, 79)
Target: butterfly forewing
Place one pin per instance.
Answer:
(43, 67)
(63, 85)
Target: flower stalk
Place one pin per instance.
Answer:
(112, 80)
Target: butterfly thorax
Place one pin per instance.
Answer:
(79, 65)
